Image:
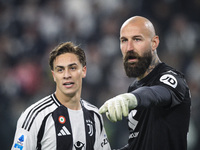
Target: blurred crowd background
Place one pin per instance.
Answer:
(29, 29)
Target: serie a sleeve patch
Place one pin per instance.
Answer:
(20, 143)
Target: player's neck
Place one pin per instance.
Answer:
(71, 102)
(155, 61)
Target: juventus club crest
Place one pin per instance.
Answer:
(90, 126)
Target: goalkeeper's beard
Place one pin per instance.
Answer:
(139, 68)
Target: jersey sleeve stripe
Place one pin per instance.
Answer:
(33, 112)
(48, 99)
(33, 118)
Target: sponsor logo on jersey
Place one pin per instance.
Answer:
(64, 131)
(105, 141)
(132, 123)
(169, 80)
(61, 119)
(133, 135)
(90, 126)
(79, 145)
(20, 143)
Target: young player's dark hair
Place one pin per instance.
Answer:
(67, 47)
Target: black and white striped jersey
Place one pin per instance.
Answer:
(48, 125)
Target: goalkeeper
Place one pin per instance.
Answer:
(158, 101)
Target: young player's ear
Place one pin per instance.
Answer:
(84, 71)
(53, 75)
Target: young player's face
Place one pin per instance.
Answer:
(135, 44)
(68, 73)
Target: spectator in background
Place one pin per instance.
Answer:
(181, 40)
(193, 78)
(181, 35)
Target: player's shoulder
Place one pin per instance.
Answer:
(36, 112)
(171, 77)
(166, 69)
(38, 104)
(89, 106)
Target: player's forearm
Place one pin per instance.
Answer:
(154, 95)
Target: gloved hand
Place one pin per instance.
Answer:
(118, 106)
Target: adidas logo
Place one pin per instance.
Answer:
(64, 131)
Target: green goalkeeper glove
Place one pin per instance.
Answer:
(118, 106)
